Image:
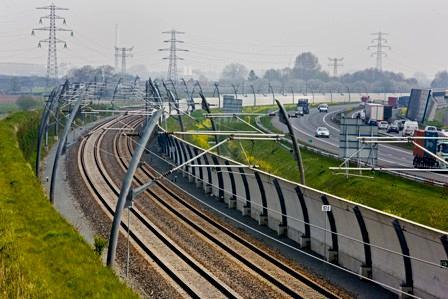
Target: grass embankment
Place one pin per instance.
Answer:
(418, 202)
(41, 255)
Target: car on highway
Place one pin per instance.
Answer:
(372, 122)
(393, 128)
(443, 133)
(299, 111)
(383, 125)
(323, 108)
(322, 132)
(431, 128)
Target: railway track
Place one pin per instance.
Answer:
(208, 285)
(268, 270)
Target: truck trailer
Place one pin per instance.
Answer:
(374, 112)
(392, 101)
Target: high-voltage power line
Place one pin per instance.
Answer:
(52, 40)
(335, 63)
(379, 44)
(173, 58)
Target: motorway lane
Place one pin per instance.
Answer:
(388, 156)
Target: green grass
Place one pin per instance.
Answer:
(418, 202)
(41, 255)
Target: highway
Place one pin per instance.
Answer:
(388, 155)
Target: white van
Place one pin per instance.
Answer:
(409, 128)
(322, 108)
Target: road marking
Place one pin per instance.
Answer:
(337, 146)
(309, 135)
(382, 145)
(325, 121)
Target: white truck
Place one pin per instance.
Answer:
(374, 112)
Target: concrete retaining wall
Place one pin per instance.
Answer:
(361, 239)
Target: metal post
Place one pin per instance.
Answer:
(127, 183)
(284, 117)
(127, 256)
(206, 107)
(255, 97)
(325, 238)
(219, 95)
(43, 122)
(272, 91)
(349, 96)
(235, 90)
(61, 145)
(292, 91)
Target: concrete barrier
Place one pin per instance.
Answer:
(391, 250)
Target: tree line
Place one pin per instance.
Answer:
(307, 75)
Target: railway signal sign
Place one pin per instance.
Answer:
(326, 208)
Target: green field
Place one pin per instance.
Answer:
(418, 202)
(41, 255)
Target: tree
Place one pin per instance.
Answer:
(234, 72)
(139, 70)
(272, 75)
(422, 79)
(441, 80)
(88, 73)
(27, 103)
(252, 76)
(306, 67)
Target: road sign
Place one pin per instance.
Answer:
(326, 208)
(232, 105)
(351, 147)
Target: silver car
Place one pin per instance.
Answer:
(322, 132)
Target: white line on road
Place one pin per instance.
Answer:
(386, 146)
(337, 146)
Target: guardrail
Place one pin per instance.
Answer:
(405, 257)
(328, 154)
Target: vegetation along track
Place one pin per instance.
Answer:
(254, 272)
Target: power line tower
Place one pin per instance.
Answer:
(335, 63)
(52, 60)
(173, 58)
(123, 53)
(379, 44)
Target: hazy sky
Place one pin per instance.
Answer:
(257, 33)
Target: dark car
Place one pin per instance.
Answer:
(393, 128)
(373, 123)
